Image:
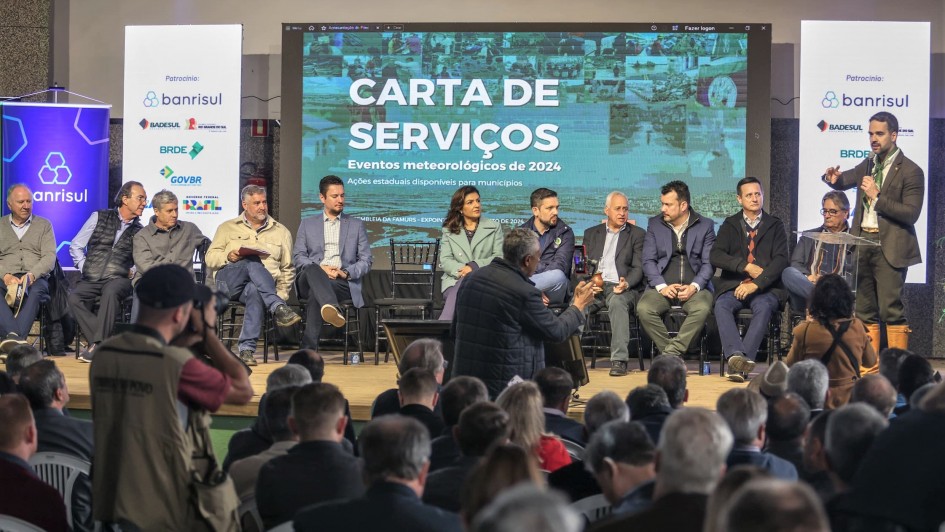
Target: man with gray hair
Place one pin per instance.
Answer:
(286, 376)
(20, 358)
(851, 430)
(396, 454)
(809, 261)
(746, 413)
(166, 239)
(809, 379)
(690, 460)
(501, 322)
(252, 256)
(876, 391)
(617, 247)
(773, 505)
(528, 507)
(425, 353)
(620, 455)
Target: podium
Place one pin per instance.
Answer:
(846, 243)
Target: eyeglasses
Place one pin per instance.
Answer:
(831, 212)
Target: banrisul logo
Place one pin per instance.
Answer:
(152, 99)
(832, 100)
(55, 171)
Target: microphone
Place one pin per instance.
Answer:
(869, 165)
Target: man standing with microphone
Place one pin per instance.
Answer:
(890, 190)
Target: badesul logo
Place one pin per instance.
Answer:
(55, 171)
(151, 99)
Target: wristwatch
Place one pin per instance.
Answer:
(344, 271)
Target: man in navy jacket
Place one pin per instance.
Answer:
(556, 240)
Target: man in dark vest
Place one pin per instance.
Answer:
(102, 251)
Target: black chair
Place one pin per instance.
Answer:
(770, 345)
(352, 322)
(230, 324)
(123, 318)
(673, 319)
(412, 275)
(597, 336)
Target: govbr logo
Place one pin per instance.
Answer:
(55, 171)
(183, 180)
(830, 100)
(151, 99)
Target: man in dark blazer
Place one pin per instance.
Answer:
(556, 386)
(676, 264)
(332, 255)
(746, 413)
(751, 250)
(889, 195)
(396, 453)
(618, 248)
(501, 322)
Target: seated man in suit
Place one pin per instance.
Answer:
(557, 245)
(806, 265)
(396, 451)
(27, 255)
(332, 255)
(746, 413)
(676, 263)
(751, 251)
(252, 256)
(618, 248)
(45, 387)
(102, 251)
(419, 393)
(556, 385)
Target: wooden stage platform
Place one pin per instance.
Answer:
(362, 383)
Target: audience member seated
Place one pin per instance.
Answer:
(809, 379)
(481, 426)
(528, 508)
(914, 372)
(834, 337)
(691, 461)
(418, 392)
(315, 470)
(20, 358)
(245, 471)
(621, 456)
(574, 479)
(257, 438)
(917, 396)
(503, 467)
(650, 407)
(315, 364)
(556, 386)
(889, 360)
(669, 373)
(772, 383)
(746, 413)
(733, 480)
(522, 401)
(876, 391)
(424, 353)
(45, 387)
(776, 506)
(457, 395)
(815, 457)
(6, 383)
(25, 496)
(788, 416)
(395, 451)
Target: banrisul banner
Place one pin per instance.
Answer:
(61, 153)
(182, 117)
(845, 79)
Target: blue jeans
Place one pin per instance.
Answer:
(250, 283)
(762, 306)
(554, 283)
(799, 286)
(21, 324)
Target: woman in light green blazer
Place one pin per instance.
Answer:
(469, 242)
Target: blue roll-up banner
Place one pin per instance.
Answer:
(61, 153)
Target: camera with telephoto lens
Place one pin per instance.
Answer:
(222, 299)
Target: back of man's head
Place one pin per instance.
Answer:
(316, 410)
(459, 393)
(851, 430)
(692, 451)
(16, 418)
(776, 506)
(876, 391)
(424, 353)
(745, 411)
(276, 412)
(528, 507)
(788, 416)
(889, 360)
(555, 385)
(645, 399)
(394, 447)
(604, 407)
(417, 386)
(286, 376)
(623, 442)
(808, 378)
(669, 372)
(481, 426)
(39, 383)
(815, 448)
(21, 357)
(914, 372)
(311, 361)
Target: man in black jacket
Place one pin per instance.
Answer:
(501, 323)
(751, 250)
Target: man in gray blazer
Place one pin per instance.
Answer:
(27, 255)
(331, 256)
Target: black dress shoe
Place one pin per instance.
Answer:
(618, 368)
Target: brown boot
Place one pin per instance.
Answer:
(872, 329)
(898, 336)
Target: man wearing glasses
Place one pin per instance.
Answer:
(102, 251)
(807, 265)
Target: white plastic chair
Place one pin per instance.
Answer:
(250, 520)
(60, 471)
(12, 524)
(593, 508)
(284, 527)
(576, 450)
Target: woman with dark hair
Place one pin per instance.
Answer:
(832, 335)
(469, 242)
